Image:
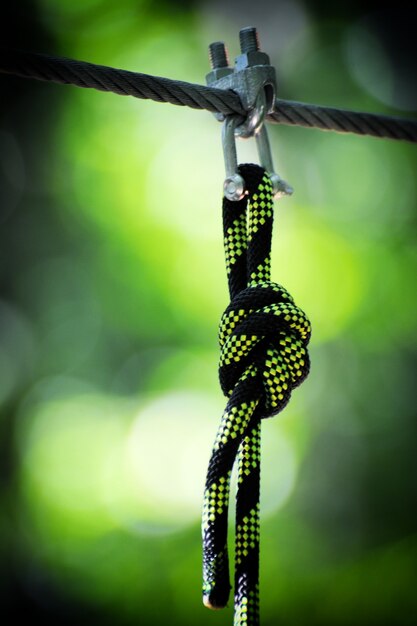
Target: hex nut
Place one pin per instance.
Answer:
(249, 59)
(218, 73)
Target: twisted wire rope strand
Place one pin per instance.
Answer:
(160, 89)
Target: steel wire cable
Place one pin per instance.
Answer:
(160, 89)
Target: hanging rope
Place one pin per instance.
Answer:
(125, 83)
(263, 338)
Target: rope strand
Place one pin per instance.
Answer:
(159, 89)
(263, 338)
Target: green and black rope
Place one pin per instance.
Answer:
(263, 339)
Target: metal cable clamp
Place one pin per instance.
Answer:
(254, 80)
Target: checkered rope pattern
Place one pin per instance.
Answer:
(263, 340)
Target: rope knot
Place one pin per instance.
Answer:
(263, 339)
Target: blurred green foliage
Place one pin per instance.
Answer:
(108, 350)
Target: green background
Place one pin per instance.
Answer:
(113, 282)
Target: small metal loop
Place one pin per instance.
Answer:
(234, 185)
(255, 118)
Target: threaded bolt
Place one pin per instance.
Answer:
(249, 41)
(218, 55)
